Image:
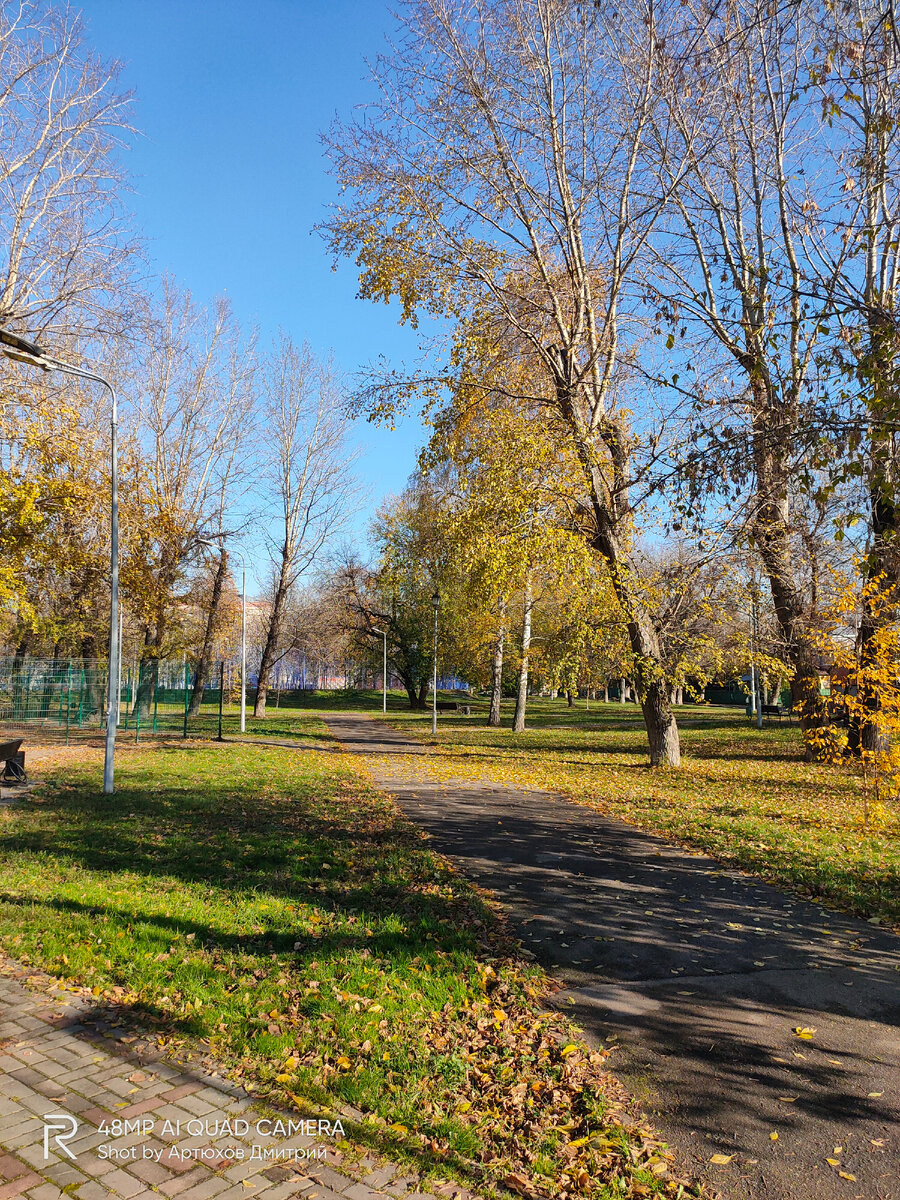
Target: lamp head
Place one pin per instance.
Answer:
(436, 599)
(22, 350)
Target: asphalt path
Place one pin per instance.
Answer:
(698, 974)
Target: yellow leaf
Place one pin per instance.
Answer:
(833, 1162)
(567, 1050)
(773, 1136)
(283, 1078)
(399, 1128)
(787, 1099)
(344, 1062)
(721, 1159)
(847, 1175)
(875, 1095)
(803, 1032)
(464, 1106)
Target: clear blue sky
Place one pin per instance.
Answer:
(229, 174)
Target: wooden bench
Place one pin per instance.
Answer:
(452, 706)
(13, 760)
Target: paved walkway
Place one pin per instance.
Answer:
(62, 1071)
(702, 974)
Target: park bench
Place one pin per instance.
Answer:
(776, 710)
(452, 706)
(13, 760)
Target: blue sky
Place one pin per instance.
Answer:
(230, 177)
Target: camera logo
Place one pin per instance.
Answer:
(63, 1126)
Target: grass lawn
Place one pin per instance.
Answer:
(745, 796)
(271, 908)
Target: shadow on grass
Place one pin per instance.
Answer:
(189, 863)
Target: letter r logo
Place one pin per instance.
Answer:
(64, 1127)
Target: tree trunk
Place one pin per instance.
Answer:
(270, 649)
(606, 693)
(522, 692)
(423, 694)
(570, 699)
(773, 427)
(497, 670)
(201, 678)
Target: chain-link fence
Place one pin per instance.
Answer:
(67, 698)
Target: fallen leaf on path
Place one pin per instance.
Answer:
(875, 1095)
(802, 1031)
(773, 1136)
(847, 1175)
(721, 1159)
(788, 1099)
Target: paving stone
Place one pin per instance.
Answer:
(174, 1187)
(150, 1172)
(46, 1191)
(92, 1191)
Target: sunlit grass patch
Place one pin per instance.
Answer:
(744, 795)
(276, 910)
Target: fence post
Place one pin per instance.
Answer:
(68, 697)
(186, 682)
(221, 694)
(137, 708)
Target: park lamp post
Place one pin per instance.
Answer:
(383, 633)
(436, 601)
(21, 350)
(207, 541)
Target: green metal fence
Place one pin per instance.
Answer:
(67, 697)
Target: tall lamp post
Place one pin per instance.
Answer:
(383, 633)
(22, 350)
(207, 541)
(436, 601)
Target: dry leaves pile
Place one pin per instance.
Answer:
(535, 1094)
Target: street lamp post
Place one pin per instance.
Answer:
(436, 601)
(383, 633)
(206, 541)
(22, 350)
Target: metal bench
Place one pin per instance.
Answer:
(776, 710)
(13, 760)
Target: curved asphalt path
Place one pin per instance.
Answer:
(699, 973)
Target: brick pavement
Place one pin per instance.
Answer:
(175, 1142)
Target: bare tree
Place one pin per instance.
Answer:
(309, 474)
(196, 393)
(497, 172)
(734, 143)
(857, 83)
(66, 248)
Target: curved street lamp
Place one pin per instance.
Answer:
(21, 350)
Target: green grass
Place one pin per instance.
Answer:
(744, 795)
(271, 908)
